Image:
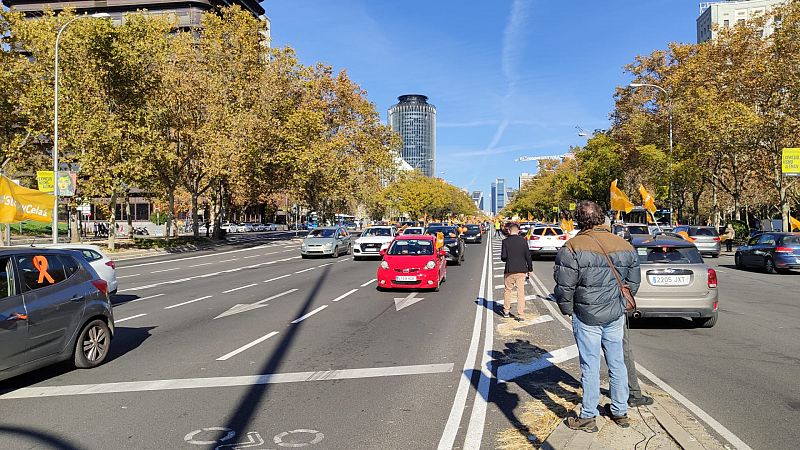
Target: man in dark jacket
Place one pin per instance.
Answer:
(519, 264)
(587, 290)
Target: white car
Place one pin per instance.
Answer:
(101, 263)
(272, 227)
(546, 240)
(414, 230)
(245, 227)
(372, 241)
(228, 227)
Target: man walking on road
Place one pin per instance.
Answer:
(588, 291)
(514, 252)
(497, 229)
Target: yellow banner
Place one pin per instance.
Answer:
(619, 201)
(795, 224)
(18, 203)
(648, 201)
(791, 161)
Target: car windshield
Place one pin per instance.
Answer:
(638, 229)
(322, 233)
(474, 227)
(413, 231)
(413, 247)
(377, 232)
(710, 232)
(669, 255)
(447, 231)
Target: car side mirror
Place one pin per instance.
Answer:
(442, 252)
(383, 252)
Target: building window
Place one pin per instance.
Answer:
(726, 23)
(740, 21)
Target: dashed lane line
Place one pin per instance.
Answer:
(202, 264)
(277, 278)
(344, 295)
(166, 270)
(128, 318)
(228, 260)
(128, 276)
(187, 302)
(239, 288)
(146, 298)
(369, 282)
(246, 346)
(305, 270)
(306, 316)
(172, 261)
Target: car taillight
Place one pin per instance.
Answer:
(712, 278)
(563, 237)
(717, 239)
(535, 237)
(111, 264)
(101, 286)
(784, 250)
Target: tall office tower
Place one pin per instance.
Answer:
(498, 195)
(477, 197)
(415, 120)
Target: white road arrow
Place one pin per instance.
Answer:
(400, 303)
(244, 307)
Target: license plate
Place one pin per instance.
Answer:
(669, 280)
(549, 248)
(405, 278)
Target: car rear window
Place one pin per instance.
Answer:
(703, 232)
(638, 229)
(52, 272)
(790, 240)
(413, 247)
(412, 231)
(91, 255)
(549, 231)
(669, 255)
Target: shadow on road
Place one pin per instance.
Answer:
(41, 439)
(250, 402)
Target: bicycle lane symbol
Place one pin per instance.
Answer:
(293, 438)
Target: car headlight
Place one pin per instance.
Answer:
(384, 265)
(328, 245)
(430, 265)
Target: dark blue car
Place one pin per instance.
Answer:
(773, 252)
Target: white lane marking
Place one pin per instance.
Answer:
(290, 250)
(128, 276)
(239, 308)
(369, 282)
(187, 302)
(212, 382)
(193, 257)
(277, 278)
(228, 260)
(459, 403)
(206, 275)
(128, 318)
(246, 346)
(477, 419)
(252, 256)
(166, 270)
(344, 295)
(499, 286)
(146, 298)
(306, 316)
(499, 275)
(511, 371)
(499, 268)
(305, 270)
(326, 264)
(403, 302)
(691, 406)
(202, 264)
(239, 288)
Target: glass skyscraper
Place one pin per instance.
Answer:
(498, 195)
(415, 120)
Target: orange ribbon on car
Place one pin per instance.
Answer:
(40, 263)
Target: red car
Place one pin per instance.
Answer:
(412, 261)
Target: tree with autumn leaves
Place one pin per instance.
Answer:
(211, 113)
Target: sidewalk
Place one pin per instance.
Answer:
(539, 387)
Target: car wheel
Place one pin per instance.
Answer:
(349, 250)
(304, 256)
(444, 278)
(769, 266)
(715, 255)
(92, 345)
(335, 253)
(379, 289)
(705, 322)
(438, 285)
(356, 258)
(737, 260)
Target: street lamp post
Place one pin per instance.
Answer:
(55, 121)
(669, 111)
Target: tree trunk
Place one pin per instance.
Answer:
(172, 227)
(112, 221)
(195, 225)
(128, 213)
(74, 229)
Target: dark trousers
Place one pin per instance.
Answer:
(729, 245)
(630, 364)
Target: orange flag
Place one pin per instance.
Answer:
(648, 201)
(619, 201)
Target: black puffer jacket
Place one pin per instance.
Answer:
(585, 285)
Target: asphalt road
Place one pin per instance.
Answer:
(345, 368)
(743, 372)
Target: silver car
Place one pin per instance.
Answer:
(675, 281)
(326, 241)
(706, 239)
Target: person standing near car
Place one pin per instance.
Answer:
(587, 290)
(730, 234)
(497, 229)
(519, 264)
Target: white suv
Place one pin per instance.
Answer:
(372, 241)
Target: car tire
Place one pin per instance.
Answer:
(335, 253)
(769, 266)
(737, 261)
(92, 345)
(349, 250)
(444, 278)
(379, 289)
(303, 256)
(356, 258)
(705, 322)
(438, 285)
(715, 255)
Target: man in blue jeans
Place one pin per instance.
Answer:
(587, 290)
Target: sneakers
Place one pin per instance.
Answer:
(506, 315)
(577, 423)
(640, 401)
(621, 421)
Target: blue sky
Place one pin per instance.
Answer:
(508, 77)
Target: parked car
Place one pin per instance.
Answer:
(473, 234)
(272, 227)
(54, 307)
(545, 240)
(413, 230)
(326, 241)
(229, 227)
(100, 262)
(675, 281)
(453, 243)
(772, 252)
(372, 241)
(245, 227)
(206, 228)
(411, 261)
(706, 239)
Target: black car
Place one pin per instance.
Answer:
(772, 252)
(453, 243)
(53, 307)
(473, 234)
